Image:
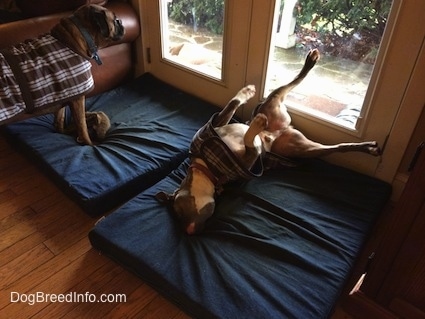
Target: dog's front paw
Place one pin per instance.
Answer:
(259, 122)
(374, 149)
(246, 93)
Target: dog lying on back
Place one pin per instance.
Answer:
(222, 152)
(42, 75)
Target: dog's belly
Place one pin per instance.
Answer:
(233, 135)
(51, 72)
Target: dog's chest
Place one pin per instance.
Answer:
(48, 73)
(233, 135)
(220, 159)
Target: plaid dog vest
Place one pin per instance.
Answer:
(223, 163)
(41, 72)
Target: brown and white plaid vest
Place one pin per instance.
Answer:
(41, 72)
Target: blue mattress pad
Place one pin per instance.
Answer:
(278, 246)
(152, 125)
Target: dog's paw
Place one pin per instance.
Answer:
(314, 55)
(259, 122)
(246, 93)
(374, 149)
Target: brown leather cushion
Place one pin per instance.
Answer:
(31, 8)
(33, 27)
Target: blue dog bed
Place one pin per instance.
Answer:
(278, 246)
(152, 125)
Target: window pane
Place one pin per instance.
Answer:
(192, 34)
(347, 34)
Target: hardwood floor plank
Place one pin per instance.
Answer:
(182, 315)
(16, 218)
(63, 240)
(32, 181)
(59, 283)
(42, 273)
(136, 302)
(117, 287)
(23, 200)
(11, 164)
(158, 308)
(20, 267)
(50, 201)
(102, 276)
(46, 224)
(52, 230)
(15, 233)
(13, 174)
(19, 248)
(6, 195)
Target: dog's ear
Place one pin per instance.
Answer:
(100, 19)
(164, 197)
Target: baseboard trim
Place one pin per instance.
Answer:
(398, 185)
(359, 306)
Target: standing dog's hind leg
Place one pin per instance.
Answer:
(78, 113)
(229, 110)
(60, 120)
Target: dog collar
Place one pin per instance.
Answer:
(206, 172)
(89, 40)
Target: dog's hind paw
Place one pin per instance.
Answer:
(371, 148)
(314, 55)
(374, 149)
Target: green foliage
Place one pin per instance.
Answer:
(207, 14)
(345, 17)
(345, 28)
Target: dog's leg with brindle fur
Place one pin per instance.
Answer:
(291, 142)
(77, 107)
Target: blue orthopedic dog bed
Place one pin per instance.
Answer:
(278, 246)
(152, 125)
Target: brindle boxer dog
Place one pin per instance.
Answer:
(64, 71)
(269, 131)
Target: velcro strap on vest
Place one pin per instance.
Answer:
(20, 78)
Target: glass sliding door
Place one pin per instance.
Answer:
(348, 35)
(360, 90)
(192, 35)
(198, 46)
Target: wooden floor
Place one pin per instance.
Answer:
(44, 249)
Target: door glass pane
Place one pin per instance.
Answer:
(192, 34)
(347, 34)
